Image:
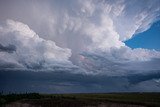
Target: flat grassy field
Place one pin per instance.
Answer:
(81, 100)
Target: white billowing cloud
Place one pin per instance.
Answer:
(94, 27)
(31, 50)
(119, 21)
(93, 30)
(91, 23)
(105, 24)
(127, 54)
(104, 36)
(116, 22)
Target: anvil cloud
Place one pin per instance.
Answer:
(78, 37)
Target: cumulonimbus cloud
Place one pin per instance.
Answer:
(30, 51)
(93, 30)
(83, 41)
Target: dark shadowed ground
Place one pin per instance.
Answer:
(81, 100)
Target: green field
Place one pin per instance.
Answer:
(84, 100)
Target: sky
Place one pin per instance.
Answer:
(145, 40)
(77, 46)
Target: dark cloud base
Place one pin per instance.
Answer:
(10, 48)
(64, 82)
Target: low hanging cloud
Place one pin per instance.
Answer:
(66, 82)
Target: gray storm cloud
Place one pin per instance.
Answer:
(90, 34)
(10, 48)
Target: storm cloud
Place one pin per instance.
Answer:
(79, 40)
(10, 48)
(65, 82)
